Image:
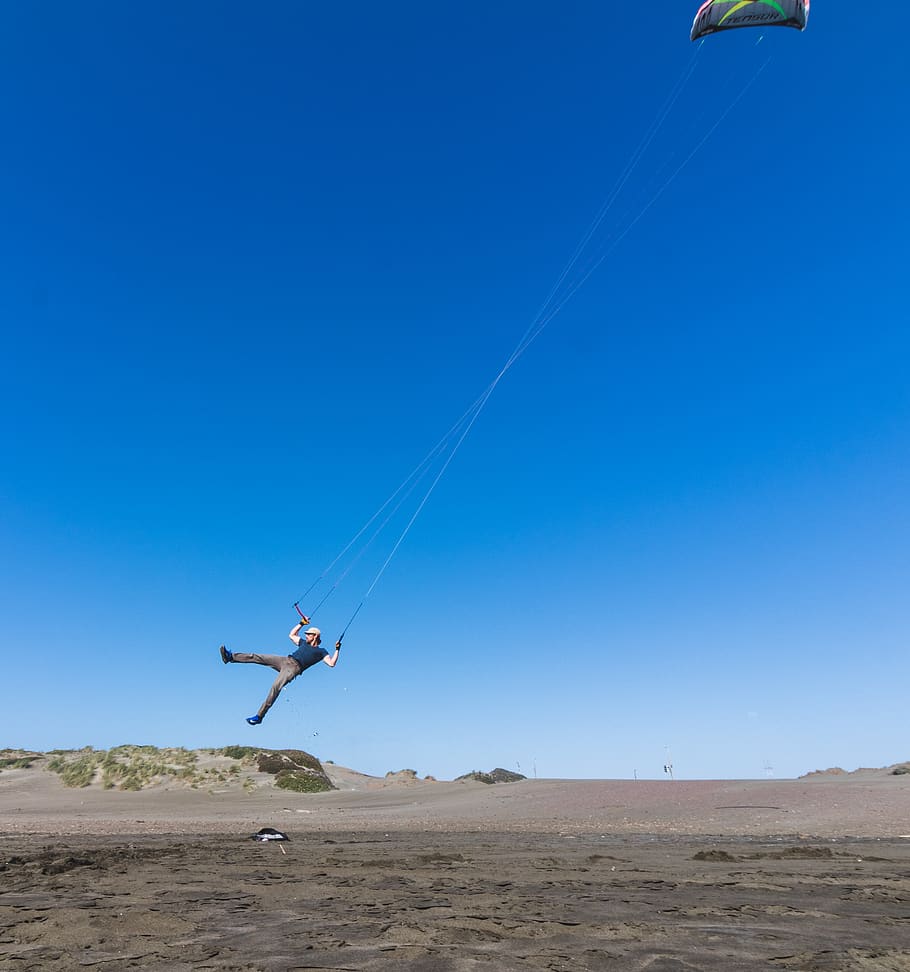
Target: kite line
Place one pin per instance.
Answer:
(448, 446)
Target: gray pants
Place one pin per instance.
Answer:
(288, 669)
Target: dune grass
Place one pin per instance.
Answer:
(134, 767)
(137, 767)
(17, 759)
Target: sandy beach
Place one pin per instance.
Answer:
(405, 873)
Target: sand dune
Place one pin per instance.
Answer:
(868, 803)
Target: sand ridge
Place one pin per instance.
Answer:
(872, 803)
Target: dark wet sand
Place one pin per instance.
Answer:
(453, 902)
(561, 875)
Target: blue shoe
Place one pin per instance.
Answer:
(226, 656)
(254, 720)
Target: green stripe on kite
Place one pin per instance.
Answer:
(733, 9)
(745, 3)
(776, 5)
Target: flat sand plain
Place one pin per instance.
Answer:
(809, 874)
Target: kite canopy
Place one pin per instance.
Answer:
(715, 15)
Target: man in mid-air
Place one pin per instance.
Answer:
(308, 653)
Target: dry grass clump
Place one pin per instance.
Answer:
(477, 775)
(498, 775)
(243, 753)
(301, 782)
(295, 770)
(75, 767)
(17, 759)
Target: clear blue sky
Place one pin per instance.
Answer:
(256, 259)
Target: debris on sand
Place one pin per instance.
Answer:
(269, 833)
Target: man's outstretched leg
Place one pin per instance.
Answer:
(288, 669)
(287, 672)
(254, 658)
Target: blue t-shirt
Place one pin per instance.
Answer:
(307, 655)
